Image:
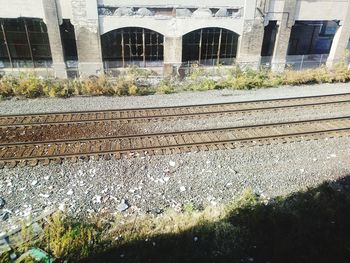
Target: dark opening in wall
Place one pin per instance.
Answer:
(24, 42)
(132, 46)
(270, 32)
(4, 58)
(69, 43)
(312, 37)
(210, 46)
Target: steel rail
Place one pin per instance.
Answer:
(127, 144)
(131, 150)
(275, 124)
(167, 115)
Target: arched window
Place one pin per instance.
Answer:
(24, 42)
(132, 46)
(210, 46)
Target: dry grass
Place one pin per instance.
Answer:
(296, 228)
(31, 86)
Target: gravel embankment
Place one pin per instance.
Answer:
(155, 183)
(15, 106)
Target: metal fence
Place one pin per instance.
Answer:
(212, 66)
(298, 62)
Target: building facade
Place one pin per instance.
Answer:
(87, 37)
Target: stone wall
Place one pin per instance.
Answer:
(86, 24)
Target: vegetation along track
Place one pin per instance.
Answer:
(161, 113)
(31, 153)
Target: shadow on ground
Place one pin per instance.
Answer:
(310, 226)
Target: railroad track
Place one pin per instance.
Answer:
(30, 153)
(171, 113)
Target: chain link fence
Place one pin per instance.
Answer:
(297, 62)
(212, 67)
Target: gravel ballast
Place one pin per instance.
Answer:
(15, 106)
(155, 183)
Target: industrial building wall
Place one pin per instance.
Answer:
(21, 8)
(78, 31)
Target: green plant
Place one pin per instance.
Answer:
(196, 72)
(123, 86)
(134, 72)
(188, 208)
(29, 86)
(133, 90)
(7, 85)
(165, 87)
(97, 86)
(68, 239)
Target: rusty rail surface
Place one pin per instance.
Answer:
(31, 153)
(174, 113)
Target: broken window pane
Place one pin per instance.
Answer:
(312, 37)
(132, 46)
(27, 42)
(210, 46)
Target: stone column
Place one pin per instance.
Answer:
(250, 44)
(172, 55)
(52, 21)
(340, 41)
(251, 39)
(285, 25)
(86, 25)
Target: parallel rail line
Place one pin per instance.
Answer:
(159, 113)
(31, 153)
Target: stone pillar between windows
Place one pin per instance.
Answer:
(53, 29)
(338, 50)
(89, 51)
(172, 56)
(285, 25)
(250, 44)
(88, 39)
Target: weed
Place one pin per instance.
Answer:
(248, 227)
(133, 90)
(165, 87)
(196, 72)
(69, 239)
(188, 208)
(31, 86)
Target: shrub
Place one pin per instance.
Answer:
(165, 87)
(58, 88)
(97, 86)
(196, 72)
(7, 85)
(69, 240)
(133, 90)
(29, 87)
(134, 72)
(123, 86)
(201, 85)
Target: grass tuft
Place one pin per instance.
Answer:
(199, 79)
(295, 228)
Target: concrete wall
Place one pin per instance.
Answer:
(321, 10)
(310, 9)
(170, 27)
(24, 8)
(65, 8)
(172, 3)
(249, 25)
